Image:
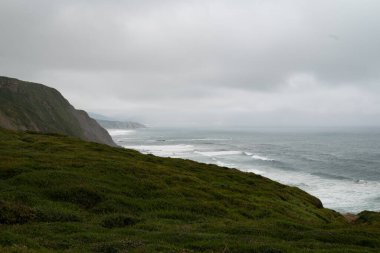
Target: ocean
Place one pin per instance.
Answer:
(340, 166)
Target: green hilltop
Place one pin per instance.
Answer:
(62, 194)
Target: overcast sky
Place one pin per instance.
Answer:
(222, 62)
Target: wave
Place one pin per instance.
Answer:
(231, 153)
(118, 132)
(223, 164)
(218, 153)
(163, 150)
(341, 195)
(261, 158)
(253, 170)
(198, 139)
(360, 181)
(331, 176)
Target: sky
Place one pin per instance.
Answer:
(273, 63)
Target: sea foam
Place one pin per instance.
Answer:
(163, 150)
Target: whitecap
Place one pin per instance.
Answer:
(262, 158)
(252, 170)
(163, 150)
(360, 181)
(223, 164)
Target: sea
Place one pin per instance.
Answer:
(340, 166)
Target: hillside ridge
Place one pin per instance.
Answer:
(36, 107)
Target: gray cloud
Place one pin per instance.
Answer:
(181, 62)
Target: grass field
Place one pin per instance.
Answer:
(62, 194)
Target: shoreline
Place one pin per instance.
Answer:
(350, 217)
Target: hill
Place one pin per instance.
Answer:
(36, 107)
(62, 194)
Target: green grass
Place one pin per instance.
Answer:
(62, 194)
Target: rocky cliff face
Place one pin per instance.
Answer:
(36, 107)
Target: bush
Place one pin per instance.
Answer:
(369, 217)
(14, 213)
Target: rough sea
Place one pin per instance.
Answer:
(340, 166)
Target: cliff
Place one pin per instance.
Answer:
(26, 106)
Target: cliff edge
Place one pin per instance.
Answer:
(27, 106)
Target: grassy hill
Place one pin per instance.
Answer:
(62, 194)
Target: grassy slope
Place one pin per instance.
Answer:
(60, 193)
(35, 105)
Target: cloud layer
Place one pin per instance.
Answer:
(269, 62)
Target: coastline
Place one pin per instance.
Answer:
(339, 193)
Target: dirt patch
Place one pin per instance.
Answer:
(351, 218)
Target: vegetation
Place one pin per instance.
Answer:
(36, 107)
(62, 194)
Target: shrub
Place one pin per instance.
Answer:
(15, 213)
